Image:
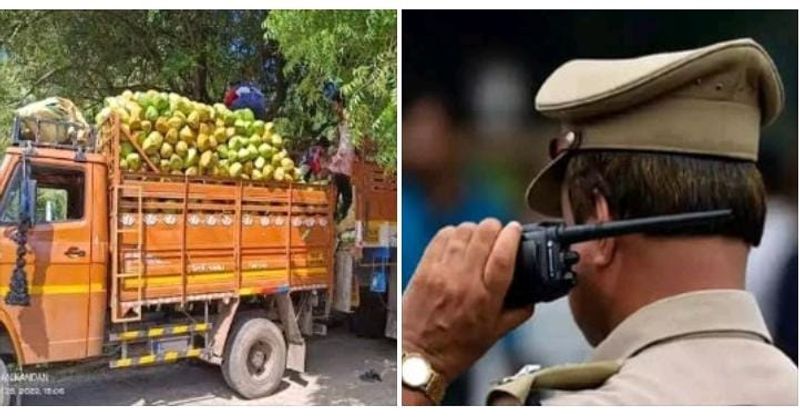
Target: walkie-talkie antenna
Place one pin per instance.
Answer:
(579, 233)
(543, 269)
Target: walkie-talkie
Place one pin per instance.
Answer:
(543, 270)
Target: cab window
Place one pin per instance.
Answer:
(59, 195)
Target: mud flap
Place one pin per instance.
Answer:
(295, 345)
(219, 331)
(296, 357)
(306, 320)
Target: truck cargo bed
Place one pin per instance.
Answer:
(176, 239)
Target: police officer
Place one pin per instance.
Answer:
(666, 313)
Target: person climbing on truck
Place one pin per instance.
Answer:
(341, 164)
(241, 95)
(314, 162)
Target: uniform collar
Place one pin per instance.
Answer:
(684, 314)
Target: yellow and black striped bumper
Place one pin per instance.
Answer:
(165, 357)
(158, 332)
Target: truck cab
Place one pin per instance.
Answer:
(65, 258)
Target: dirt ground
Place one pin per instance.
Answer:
(342, 369)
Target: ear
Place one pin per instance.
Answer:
(606, 246)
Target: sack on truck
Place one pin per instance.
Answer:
(54, 120)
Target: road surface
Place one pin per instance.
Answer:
(342, 369)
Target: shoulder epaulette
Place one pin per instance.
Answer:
(514, 390)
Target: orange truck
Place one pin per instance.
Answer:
(374, 250)
(376, 231)
(376, 205)
(146, 268)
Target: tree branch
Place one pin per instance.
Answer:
(36, 84)
(34, 16)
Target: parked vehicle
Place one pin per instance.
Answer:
(148, 268)
(366, 266)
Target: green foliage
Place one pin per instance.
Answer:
(10, 86)
(87, 55)
(57, 199)
(357, 49)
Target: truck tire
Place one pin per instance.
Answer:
(254, 358)
(5, 395)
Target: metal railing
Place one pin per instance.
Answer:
(76, 136)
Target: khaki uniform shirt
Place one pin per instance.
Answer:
(700, 348)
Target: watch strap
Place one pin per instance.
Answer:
(434, 388)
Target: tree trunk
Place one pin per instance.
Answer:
(270, 50)
(201, 80)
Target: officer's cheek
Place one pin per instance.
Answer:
(580, 305)
(583, 299)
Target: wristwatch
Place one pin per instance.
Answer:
(419, 375)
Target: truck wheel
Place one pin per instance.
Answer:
(5, 395)
(255, 358)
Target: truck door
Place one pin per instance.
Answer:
(54, 326)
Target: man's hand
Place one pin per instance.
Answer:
(453, 307)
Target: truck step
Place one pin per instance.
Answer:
(163, 357)
(159, 332)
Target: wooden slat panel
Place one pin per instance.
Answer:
(211, 249)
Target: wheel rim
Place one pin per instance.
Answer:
(258, 359)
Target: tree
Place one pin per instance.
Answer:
(9, 87)
(89, 55)
(356, 49)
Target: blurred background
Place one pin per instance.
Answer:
(472, 141)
